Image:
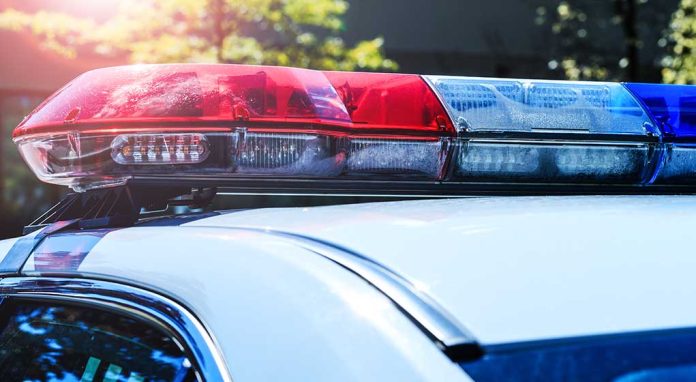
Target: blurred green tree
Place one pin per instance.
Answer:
(304, 33)
(680, 64)
(23, 197)
(594, 40)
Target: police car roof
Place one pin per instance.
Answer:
(510, 269)
(522, 268)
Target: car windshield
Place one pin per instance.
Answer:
(640, 357)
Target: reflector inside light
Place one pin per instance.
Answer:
(286, 154)
(152, 149)
(558, 162)
(481, 159)
(396, 157)
(679, 164)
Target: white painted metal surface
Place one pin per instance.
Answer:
(277, 311)
(509, 269)
(5, 246)
(516, 269)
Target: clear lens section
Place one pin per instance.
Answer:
(397, 157)
(679, 165)
(84, 162)
(93, 161)
(600, 161)
(286, 154)
(314, 155)
(561, 162)
(480, 159)
(65, 159)
(491, 105)
(151, 149)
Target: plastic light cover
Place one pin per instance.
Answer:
(390, 101)
(157, 149)
(673, 108)
(210, 122)
(92, 161)
(108, 160)
(61, 159)
(286, 155)
(234, 121)
(399, 157)
(529, 106)
(524, 123)
(192, 97)
(186, 96)
(553, 162)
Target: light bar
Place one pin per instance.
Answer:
(492, 105)
(548, 131)
(673, 108)
(553, 162)
(205, 125)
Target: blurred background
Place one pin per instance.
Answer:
(46, 43)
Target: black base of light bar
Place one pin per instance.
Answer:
(121, 206)
(399, 188)
(117, 206)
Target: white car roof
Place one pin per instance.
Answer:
(509, 269)
(516, 269)
(276, 310)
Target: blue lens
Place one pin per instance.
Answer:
(672, 107)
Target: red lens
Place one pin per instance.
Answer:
(111, 124)
(169, 97)
(390, 101)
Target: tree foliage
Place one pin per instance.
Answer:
(680, 64)
(304, 33)
(602, 40)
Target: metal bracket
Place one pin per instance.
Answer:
(118, 206)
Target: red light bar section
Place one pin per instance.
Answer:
(390, 101)
(123, 97)
(195, 97)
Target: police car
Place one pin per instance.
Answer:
(549, 236)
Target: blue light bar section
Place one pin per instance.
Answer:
(672, 107)
(536, 106)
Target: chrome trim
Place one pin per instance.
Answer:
(423, 310)
(147, 305)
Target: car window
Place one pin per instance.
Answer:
(666, 374)
(668, 355)
(48, 341)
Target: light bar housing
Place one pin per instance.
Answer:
(262, 129)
